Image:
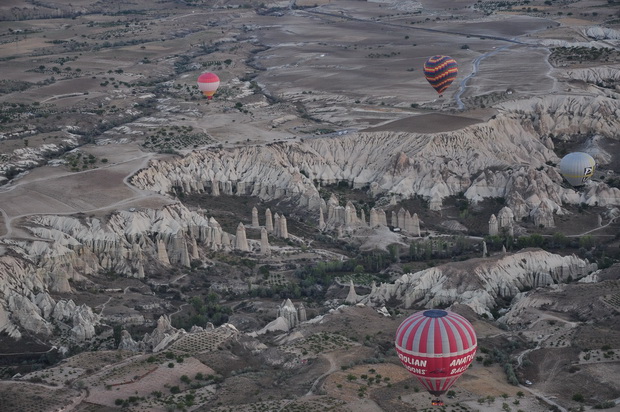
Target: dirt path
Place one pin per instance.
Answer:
(596, 228)
(75, 401)
(544, 316)
(333, 367)
(108, 301)
(543, 397)
(178, 310)
(61, 96)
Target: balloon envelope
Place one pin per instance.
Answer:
(436, 346)
(577, 168)
(208, 83)
(440, 72)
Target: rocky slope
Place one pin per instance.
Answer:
(509, 156)
(480, 283)
(70, 248)
(26, 158)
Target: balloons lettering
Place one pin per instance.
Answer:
(440, 72)
(577, 168)
(436, 346)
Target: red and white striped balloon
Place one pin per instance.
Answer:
(436, 346)
(208, 83)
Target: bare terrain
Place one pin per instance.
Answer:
(116, 294)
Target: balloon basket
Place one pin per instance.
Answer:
(437, 402)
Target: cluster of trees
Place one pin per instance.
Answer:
(204, 311)
(582, 53)
(437, 248)
(324, 273)
(13, 112)
(587, 246)
(502, 357)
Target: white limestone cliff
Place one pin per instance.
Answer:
(510, 154)
(71, 248)
(478, 283)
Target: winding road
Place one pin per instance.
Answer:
(474, 71)
(332, 368)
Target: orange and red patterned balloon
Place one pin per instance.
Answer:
(440, 72)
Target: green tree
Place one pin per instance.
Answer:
(586, 242)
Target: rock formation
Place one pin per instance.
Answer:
(407, 223)
(480, 282)
(162, 335)
(241, 240)
(276, 224)
(508, 154)
(543, 215)
(264, 242)
(125, 243)
(283, 227)
(128, 343)
(505, 217)
(321, 220)
(301, 311)
(339, 216)
(412, 224)
(288, 311)
(268, 220)
(493, 226)
(280, 226)
(255, 217)
(26, 158)
(352, 297)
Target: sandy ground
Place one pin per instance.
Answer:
(54, 190)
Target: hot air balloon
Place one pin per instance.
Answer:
(577, 168)
(436, 346)
(208, 83)
(440, 72)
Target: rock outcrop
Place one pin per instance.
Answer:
(265, 249)
(352, 297)
(478, 283)
(27, 158)
(71, 248)
(288, 318)
(602, 33)
(493, 226)
(507, 156)
(241, 240)
(288, 311)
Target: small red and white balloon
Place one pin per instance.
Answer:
(208, 83)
